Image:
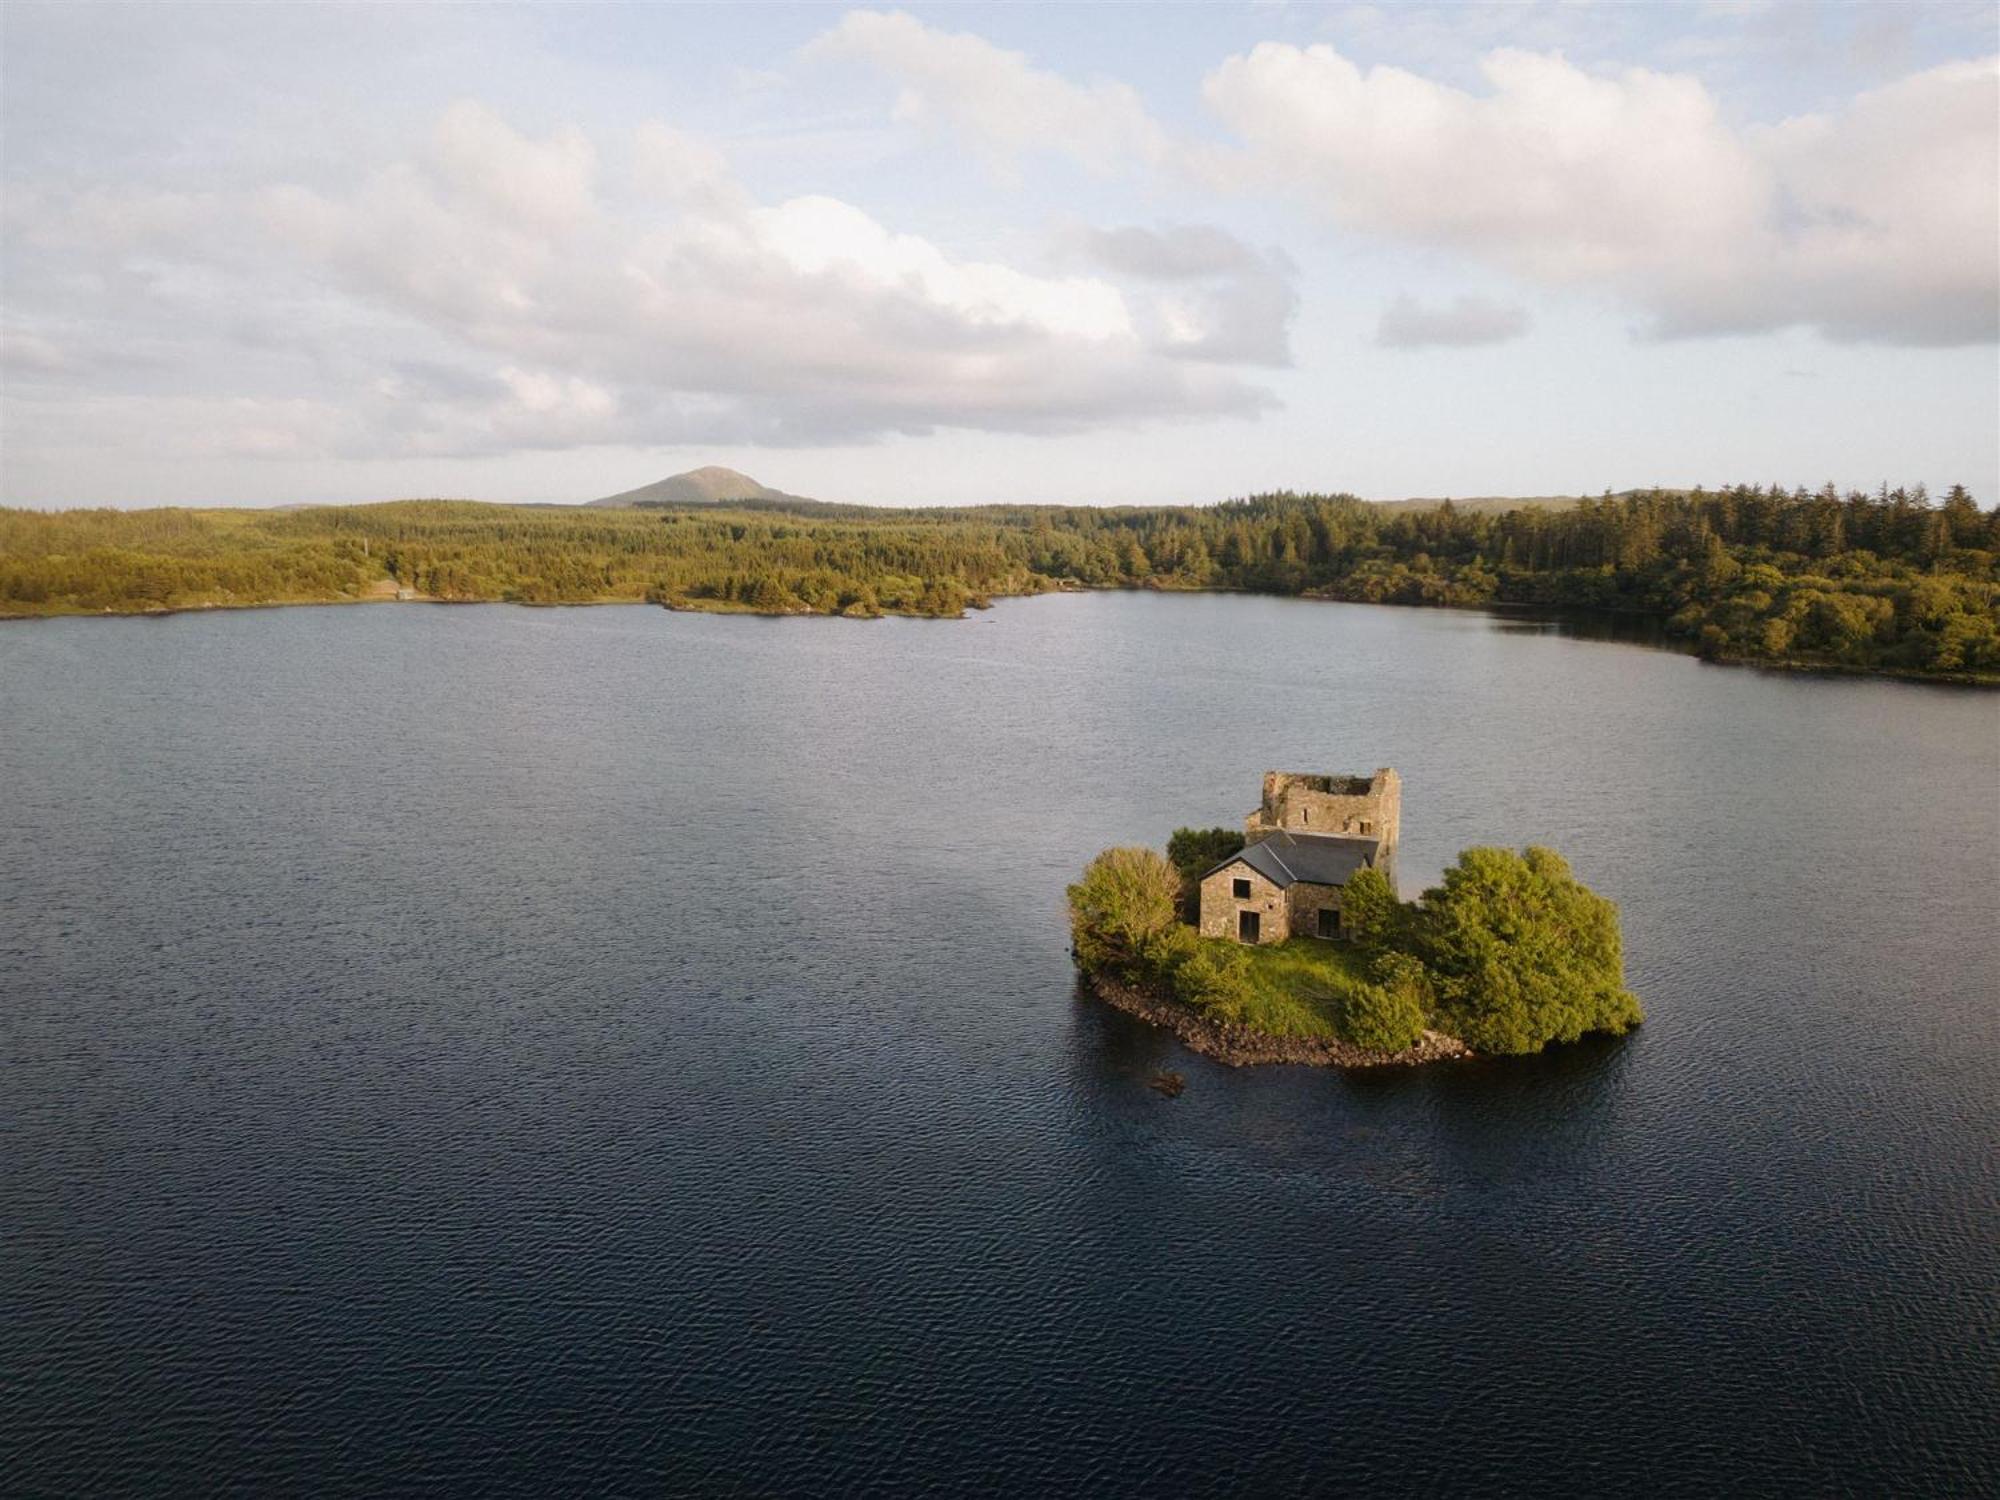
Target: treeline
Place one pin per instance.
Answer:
(1889, 581)
(71, 562)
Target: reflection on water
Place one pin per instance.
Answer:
(610, 1050)
(1583, 625)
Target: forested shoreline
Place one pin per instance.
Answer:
(1886, 582)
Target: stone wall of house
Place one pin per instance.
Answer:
(1219, 905)
(1306, 901)
(1368, 806)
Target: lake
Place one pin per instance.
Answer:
(603, 1050)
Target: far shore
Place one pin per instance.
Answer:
(1499, 609)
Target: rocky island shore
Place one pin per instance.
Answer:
(1241, 1046)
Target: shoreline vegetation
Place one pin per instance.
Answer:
(1887, 583)
(1510, 953)
(1239, 1046)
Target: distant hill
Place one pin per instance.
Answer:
(709, 486)
(715, 485)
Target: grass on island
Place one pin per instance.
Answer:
(1296, 987)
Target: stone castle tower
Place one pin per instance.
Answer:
(1368, 807)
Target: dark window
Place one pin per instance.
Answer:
(1329, 921)
(1247, 923)
(1305, 815)
(1240, 889)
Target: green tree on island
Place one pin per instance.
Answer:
(1125, 902)
(1521, 953)
(1193, 852)
(1370, 915)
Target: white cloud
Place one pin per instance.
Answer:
(24, 353)
(825, 238)
(1886, 224)
(1223, 301)
(169, 428)
(994, 98)
(485, 295)
(132, 224)
(481, 162)
(1879, 222)
(1408, 324)
(675, 165)
(1557, 172)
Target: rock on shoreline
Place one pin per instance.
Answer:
(1242, 1046)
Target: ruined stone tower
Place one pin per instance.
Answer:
(1368, 807)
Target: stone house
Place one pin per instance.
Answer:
(1306, 840)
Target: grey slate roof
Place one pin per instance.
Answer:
(1315, 858)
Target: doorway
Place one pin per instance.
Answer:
(1247, 923)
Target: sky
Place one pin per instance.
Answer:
(1107, 254)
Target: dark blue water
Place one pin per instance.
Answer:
(553, 1051)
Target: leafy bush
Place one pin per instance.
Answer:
(1164, 954)
(1522, 953)
(1392, 1012)
(1370, 915)
(1385, 1017)
(1125, 900)
(1216, 978)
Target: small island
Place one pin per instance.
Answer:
(1287, 942)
